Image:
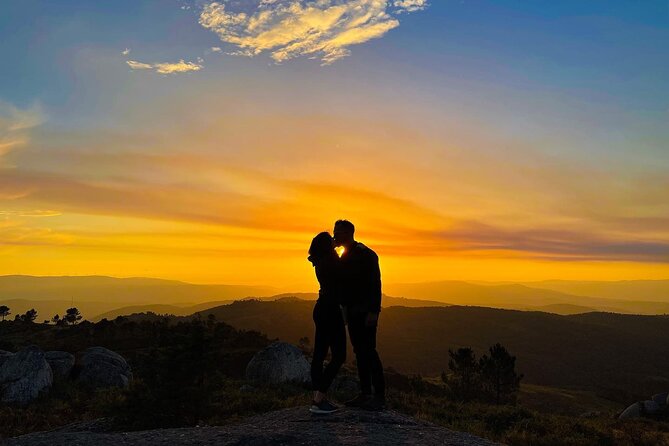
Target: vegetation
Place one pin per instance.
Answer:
(190, 372)
(620, 357)
(4, 311)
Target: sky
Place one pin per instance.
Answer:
(210, 141)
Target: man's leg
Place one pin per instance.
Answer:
(357, 332)
(375, 365)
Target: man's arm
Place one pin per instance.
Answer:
(375, 284)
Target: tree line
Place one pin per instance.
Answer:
(491, 378)
(71, 317)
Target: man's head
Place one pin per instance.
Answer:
(343, 232)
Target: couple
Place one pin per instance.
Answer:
(350, 294)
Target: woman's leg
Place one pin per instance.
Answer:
(321, 346)
(337, 344)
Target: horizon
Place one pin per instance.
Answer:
(265, 285)
(208, 142)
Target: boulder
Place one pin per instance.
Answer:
(640, 409)
(4, 355)
(660, 398)
(279, 362)
(24, 375)
(61, 363)
(99, 367)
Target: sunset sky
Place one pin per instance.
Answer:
(208, 142)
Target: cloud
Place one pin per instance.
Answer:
(14, 125)
(166, 67)
(126, 51)
(31, 213)
(410, 5)
(288, 29)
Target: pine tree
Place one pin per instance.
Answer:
(72, 316)
(4, 311)
(498, 374)
(463, 380)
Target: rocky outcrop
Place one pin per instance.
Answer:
(277, 363)
(640, 409)
(99, 367)
(61, 363)
(24, 375)
(4, 355)
(293, 426)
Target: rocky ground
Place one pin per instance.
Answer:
(294, 426)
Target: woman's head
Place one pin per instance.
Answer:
(322, 246)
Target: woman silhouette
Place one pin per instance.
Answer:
(330, 330)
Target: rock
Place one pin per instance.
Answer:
(279, 362)
(100, 367)
(245, 388)
(660, 398)
(640, 409)
(4, 355)
(346, 386)
(286, 427)
(61, 363)
(24, 375)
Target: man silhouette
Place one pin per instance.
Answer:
(361, 298)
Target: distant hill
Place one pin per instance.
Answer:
(386, 301)
(174, 310)
(564, 309)
(121, 291)
(621, 356)
(517, 296)
(643, 290)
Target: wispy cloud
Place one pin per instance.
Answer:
(287, 29)
(126, 51)
(14, 124)
(166, 67)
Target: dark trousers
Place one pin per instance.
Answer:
(330, 335)
(363, 339)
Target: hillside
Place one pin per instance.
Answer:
(621, 356)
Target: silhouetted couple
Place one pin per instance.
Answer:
(350, 294)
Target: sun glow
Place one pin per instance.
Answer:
(340, 250)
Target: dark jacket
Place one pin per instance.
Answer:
(361, 280)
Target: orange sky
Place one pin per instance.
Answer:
(454, 162)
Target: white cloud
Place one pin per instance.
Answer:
(215, 49)
(166, 67)
(410, 5)
(126, 51)
(291, 28)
